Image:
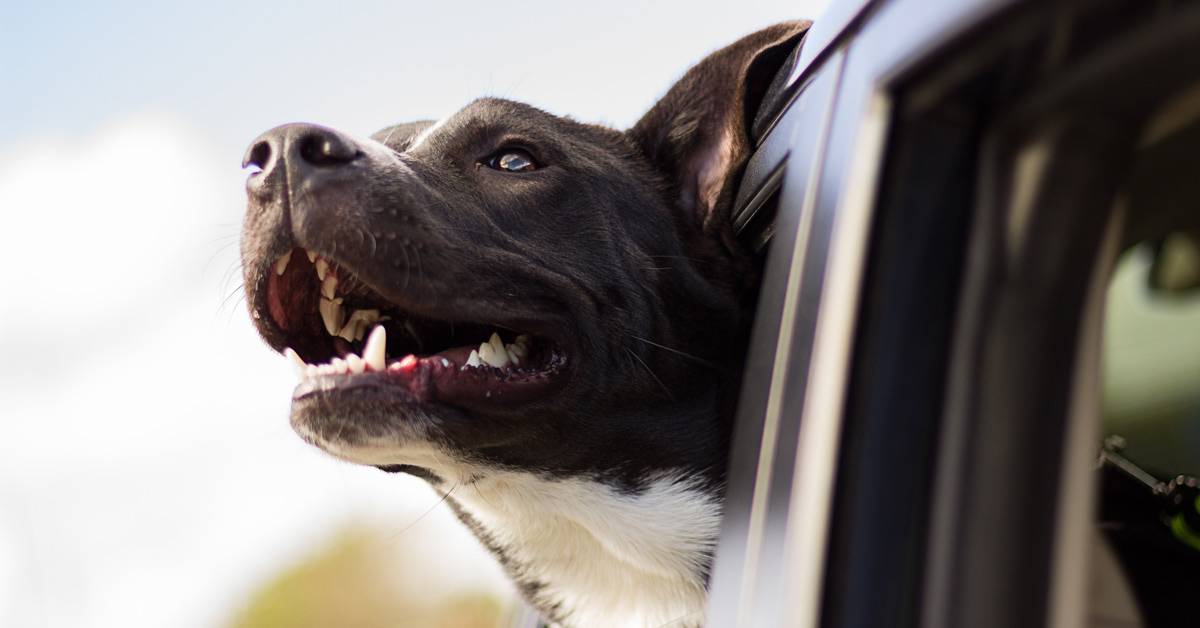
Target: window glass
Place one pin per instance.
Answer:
(1152, 355)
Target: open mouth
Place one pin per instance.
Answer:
(340, 334)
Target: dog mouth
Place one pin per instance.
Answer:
(342, 335)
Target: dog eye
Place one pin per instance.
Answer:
(512, 160)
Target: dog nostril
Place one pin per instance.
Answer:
(258, 156)
(321, 148)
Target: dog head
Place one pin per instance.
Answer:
(507, 291)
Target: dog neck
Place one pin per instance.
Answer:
(597, 554)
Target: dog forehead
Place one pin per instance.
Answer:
(490, 120)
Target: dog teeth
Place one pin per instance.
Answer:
(281, 263)
(497, 354)
(329, 286)
(491, 355)
(375, 351)
(356, 327)
(474, 360)
(312, 255)
(331, 313)
(494, 352)
(299, 366)
(322, 269)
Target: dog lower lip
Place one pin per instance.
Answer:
(508, 373)
(437, 378)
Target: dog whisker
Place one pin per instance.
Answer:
(420, 271)
(407, 267)
(388, 137)
(674, 621)
(475, 485)
(374, 244)
(678, 352)
(228, 279)
(648, 370)
(464, 229)
(238, 291)
(406, 528)
(690, 259)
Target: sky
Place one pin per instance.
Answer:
(148, 476)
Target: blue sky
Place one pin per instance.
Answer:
(148, 477)
(235, 68)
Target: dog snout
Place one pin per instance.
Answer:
(304, 151)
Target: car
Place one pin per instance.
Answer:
(945, 191)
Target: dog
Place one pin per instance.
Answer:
(542, 318)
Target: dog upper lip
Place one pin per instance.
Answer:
(332, 275)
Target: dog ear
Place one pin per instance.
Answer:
(698, 135)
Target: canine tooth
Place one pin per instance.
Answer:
(474, 360)
(331, 313)
(375, 351)
(281, 263)
(356, 364)
(512, 356)
(312, 255)
(329, 286)
(322, 268)
(488, 353)
(298, 365)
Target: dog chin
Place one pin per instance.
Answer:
(373, 437)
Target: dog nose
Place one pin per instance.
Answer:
(304, 149)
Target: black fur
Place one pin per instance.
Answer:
(617, 249)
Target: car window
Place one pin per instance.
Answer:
(1152, 354)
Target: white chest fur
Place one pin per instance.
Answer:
(606, 557)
